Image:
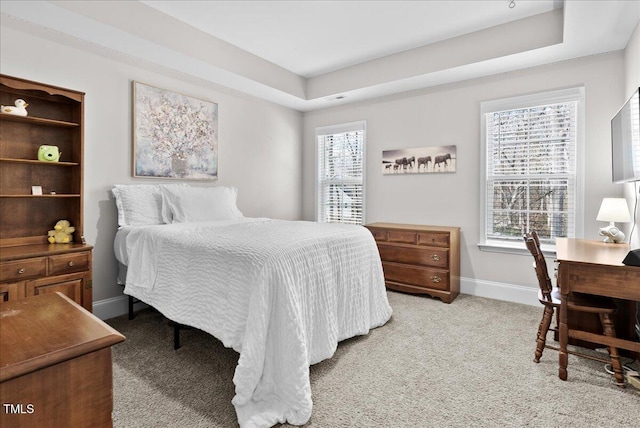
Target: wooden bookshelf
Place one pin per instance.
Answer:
(29, 264)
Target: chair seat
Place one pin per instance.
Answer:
(581, 302)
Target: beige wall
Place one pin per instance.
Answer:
(259, 142)
(451, 115)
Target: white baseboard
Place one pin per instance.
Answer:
(117, 306)
(500, 291)
(113, 307)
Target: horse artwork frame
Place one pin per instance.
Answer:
(424, 160)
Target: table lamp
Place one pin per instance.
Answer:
(612, 210)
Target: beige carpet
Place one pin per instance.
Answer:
(460, 365)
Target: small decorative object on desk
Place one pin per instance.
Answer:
(61, 233)
(49, 153)
(612, 234)
(19, 109)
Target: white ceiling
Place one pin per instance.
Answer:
(313, 54)
(311, 38)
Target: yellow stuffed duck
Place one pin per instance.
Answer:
(61, 233)
(20, 108)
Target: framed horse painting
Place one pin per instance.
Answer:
(419, 161)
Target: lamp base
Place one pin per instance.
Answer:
(612, 234)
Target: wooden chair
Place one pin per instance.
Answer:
(549, 297)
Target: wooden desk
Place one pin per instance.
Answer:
(593, 267)
(55, 364)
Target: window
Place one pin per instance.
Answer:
(340, 169)
(531, 175)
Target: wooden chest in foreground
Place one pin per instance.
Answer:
(55, 364)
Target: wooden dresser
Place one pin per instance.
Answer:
(37, 269)
(420, 259)
(55, 364)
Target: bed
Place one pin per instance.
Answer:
(280, 293)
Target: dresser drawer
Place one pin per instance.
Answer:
(23, 269)
(416, 275)
(68, 263)
(69, 285)
(401, 236)
(436, 257)
(379, 234)
(433, 239)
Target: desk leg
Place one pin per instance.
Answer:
(564, 337)
(609, 330)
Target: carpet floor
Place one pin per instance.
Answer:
(467, 364)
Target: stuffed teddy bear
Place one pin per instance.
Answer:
(61, 233)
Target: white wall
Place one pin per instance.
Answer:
(259, 142)
(632, 82)
(450, 114)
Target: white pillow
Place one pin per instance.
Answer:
(165, 209)
(139, 204)
(192, 204)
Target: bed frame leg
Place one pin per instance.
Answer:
(132, 301)
(131, 315)
(176, 332)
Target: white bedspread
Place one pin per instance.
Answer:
(281, 293)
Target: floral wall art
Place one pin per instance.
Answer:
(174, 136)
(421, 160)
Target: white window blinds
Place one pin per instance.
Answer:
(531, 171)
(340, 180)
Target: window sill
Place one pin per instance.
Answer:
(514, 248)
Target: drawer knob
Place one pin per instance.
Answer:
(20, 271)
(435, 278)
(435, 257)
(70, 264)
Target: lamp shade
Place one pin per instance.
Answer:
(615, 210)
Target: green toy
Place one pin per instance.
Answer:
(49, 153)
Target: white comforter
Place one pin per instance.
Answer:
(281, 293)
